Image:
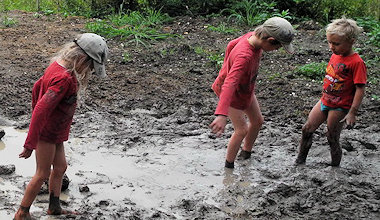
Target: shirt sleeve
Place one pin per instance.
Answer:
(360, 73)
(43, 109)
(230, 85)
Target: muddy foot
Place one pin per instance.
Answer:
(229, 165)
(244, 154)
(61, 212)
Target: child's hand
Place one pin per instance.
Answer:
(350, 120)
(218, 125)
(25, 153)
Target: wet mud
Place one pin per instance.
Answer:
(140, 146)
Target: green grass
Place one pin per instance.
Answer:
(133, 27)
(222, 28)
(313, 70)
(253, 12)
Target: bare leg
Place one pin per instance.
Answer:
(256, 120)
(44, 158)
(55, 180)
(316, 118)
(240, 131)
(334, 128)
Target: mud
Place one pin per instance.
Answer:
(140, 147)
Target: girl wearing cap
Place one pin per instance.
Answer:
(236, 82)
(54, 99)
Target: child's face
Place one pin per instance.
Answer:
(339, 45)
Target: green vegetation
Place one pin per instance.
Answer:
(253, 12)
(222, 28)
(134, 27)
(8, 21)
(372, 27)
(216, 59)
(313, 70)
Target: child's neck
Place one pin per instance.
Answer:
(61, 63)
(254, 41)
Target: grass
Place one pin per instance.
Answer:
(254, 12)
(312, 70)
(222, 28)
(133, 27)
(216, 59)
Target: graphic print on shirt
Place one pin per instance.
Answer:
(334, 82)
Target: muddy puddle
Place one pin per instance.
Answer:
(172, 177)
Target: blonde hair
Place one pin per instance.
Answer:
(344, 27)
(76, 62)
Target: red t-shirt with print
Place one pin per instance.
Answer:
(236, 80)
(54, 99)
(342, 74)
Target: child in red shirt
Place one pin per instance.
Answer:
(236, 82)
(54, 100)
(343, 90)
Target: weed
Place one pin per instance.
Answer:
(126, 57)
(372, 26)
(222, 28)
(134, 27)
(215, 58)
(312, 70)
(8, 21)
(253, 12)
(375, 97)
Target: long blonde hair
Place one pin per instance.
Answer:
(76, 62)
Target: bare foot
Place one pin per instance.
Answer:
(61, 212)
(20, 215)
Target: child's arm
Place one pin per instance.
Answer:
(358, 97)
(218, 125)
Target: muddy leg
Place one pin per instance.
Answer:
(54, 205)
(22, 214)
(306, 141)
(334, 127)
(315, 119)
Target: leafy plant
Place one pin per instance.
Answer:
(8, 21)
(253, 12)
(372, 27)
(312, 70)
(222, 28)
(215, 58)
(134, 27)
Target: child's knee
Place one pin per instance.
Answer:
(60, 170)
(307, 130)
(241, 132)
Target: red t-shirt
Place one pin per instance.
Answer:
(235, 83)
(342, 73)
(54, 99)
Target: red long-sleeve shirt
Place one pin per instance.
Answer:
(235, 83)
(53, 101)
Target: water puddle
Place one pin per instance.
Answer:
(150, 177)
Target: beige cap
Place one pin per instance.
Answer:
(96, 47)
(281, 30)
